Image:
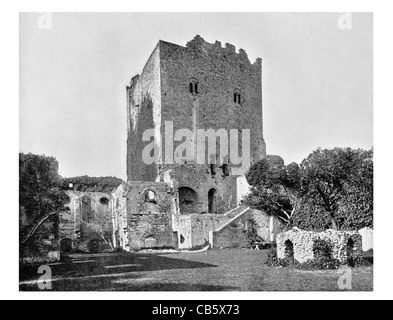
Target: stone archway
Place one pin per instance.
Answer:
(94, 246)
(289, 251)
(66, 245)
(350, 252)
(188, 200)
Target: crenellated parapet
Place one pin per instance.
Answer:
(199, 44)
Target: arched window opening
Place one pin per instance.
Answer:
(150, 196)
(187, 200)
(194, 87)
(94, 246)
(66, 246)
(104, 201)
(150, 242)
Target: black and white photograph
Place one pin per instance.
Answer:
(178, 152)
(167, 155)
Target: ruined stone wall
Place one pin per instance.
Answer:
(88, 219)
(119, 217)
(150, 217)
(200, 179)
(143, 113)
(303, 244)
(202, 225)
(236, 232)
(234, 235)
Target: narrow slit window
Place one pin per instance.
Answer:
(236, 96)
(191, 87)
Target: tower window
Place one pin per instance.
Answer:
(237, 96)
(194, 86)
(225, 170)
(150, 196)
(213, 169)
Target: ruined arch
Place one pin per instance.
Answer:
(289, 250)
(188, 200)
(94, 246)
(66, 245)
(150, 195)
(150, 242)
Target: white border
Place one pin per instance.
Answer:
(383, 56)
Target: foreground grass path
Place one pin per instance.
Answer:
(215, 270)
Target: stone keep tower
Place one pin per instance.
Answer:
(200, 86)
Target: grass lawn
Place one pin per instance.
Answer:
(214, 270)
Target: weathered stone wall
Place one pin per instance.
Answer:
(367, 238)
(119, 217)
(149, 220)
(235, 233)
(88, 219)
(200, 180)
(303, 244)
(143, 113)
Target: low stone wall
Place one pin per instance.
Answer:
(367, 238)
(301, 244)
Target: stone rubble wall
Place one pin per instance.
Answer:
(303, 243)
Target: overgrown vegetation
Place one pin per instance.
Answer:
(91, 184)
(41, 198)
(331, 188)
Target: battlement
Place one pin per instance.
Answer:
(198, 43)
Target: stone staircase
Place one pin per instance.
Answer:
(231, 216)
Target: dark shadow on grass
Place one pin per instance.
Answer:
(89, 272)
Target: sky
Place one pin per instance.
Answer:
(317, 79)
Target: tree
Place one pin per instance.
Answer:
(40, 193)
(274, 187)
(332, 188)
(336, 179)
